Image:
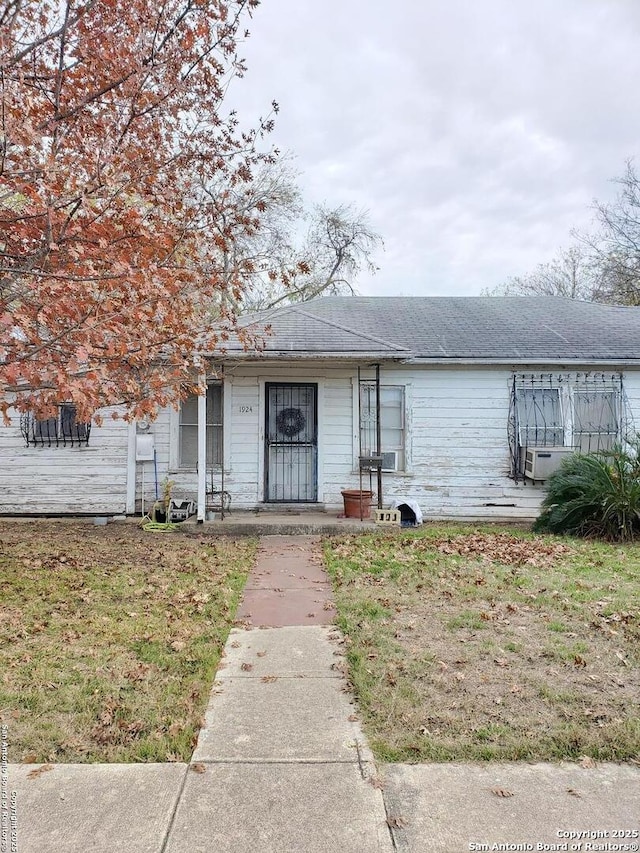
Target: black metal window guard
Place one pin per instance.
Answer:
(63, 430)
(585, 412)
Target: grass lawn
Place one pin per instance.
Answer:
(111, 638)
(482, 643)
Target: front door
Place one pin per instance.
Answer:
(291, 443)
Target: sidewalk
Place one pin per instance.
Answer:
(281, 765)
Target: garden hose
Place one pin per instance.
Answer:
(160, 526)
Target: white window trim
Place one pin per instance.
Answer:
(174, 434)
(174, 442)
(618, 412)
(566, 399)
(408, 471)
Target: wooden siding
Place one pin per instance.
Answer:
(456, 441)
(456, 447)
(64, 480)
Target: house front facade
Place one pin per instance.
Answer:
(471, 402)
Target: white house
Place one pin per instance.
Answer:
(479, 398)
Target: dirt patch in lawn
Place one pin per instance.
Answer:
(111, 637)
(479, 644)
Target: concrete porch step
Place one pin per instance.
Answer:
(278, 524)
(290, 508)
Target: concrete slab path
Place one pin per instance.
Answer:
(282, 766)
(453, 808)
(288, 585)
(72, 808)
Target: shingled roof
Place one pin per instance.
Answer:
(491, 328)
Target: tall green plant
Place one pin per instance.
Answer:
(597, 494)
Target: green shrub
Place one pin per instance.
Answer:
(597, 494)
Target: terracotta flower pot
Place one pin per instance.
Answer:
(353, 500)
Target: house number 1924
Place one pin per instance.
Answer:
(245, 409)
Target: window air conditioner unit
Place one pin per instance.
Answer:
(541, 462)
(390, 461)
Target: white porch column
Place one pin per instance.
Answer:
(130, 508)
(202, 455)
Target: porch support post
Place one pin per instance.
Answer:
(130, 507)
(378, 436)
(202, 454)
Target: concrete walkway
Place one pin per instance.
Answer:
(281, 765)
(286, 767)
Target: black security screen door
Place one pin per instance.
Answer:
(291, 443)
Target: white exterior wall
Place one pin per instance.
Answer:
(245, 440)
(456, 447)
(88, 479)
(456, 438)
(244, 410)
(457, 442)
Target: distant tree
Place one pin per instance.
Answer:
(272, 206)
(616, 246)
(338, 244)
(603, 266)
(121, 181)
(571, 273)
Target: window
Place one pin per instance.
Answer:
(392, 421)
(60, 430)
(188, 428)
(585, 412)
(595, 421)
(539, 417)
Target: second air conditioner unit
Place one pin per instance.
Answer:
(390, 460)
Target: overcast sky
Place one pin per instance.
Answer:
(475, 132)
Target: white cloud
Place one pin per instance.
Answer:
(477, 134)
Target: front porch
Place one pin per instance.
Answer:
(279, 523)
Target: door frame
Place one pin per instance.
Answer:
(265, 444)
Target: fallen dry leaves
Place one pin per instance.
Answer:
(502, 548)
(111, 636)
(397, 822)
(491, 644)
(33, 774)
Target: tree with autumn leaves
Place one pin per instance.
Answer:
(120, 169)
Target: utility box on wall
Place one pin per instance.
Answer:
(144, 447)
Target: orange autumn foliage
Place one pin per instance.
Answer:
(118, 162)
